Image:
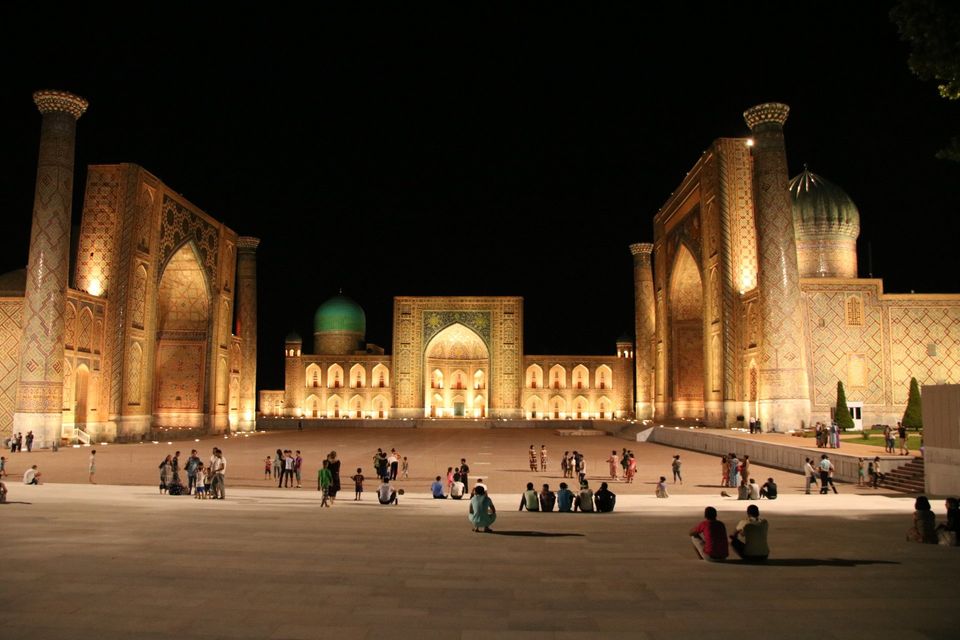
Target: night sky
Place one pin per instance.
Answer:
(422, 151)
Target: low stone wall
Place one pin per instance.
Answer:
(778, 456)
(272, 423)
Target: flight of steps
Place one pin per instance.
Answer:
(908, 478)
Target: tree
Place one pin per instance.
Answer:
(932, 29)
(842, 413)
(913, 416)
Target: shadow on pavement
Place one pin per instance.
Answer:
(815, 562)
(536, 534)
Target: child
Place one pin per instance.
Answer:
(404, 469)
(207, 481)
(267, 468)
(861, 473)
(358, 482)
(533, 459)
(324, 480)
(662, 488)
(201, 492)
(543, 457)
(3, 466)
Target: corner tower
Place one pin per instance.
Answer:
(784, 391)
(645, 326)
(40, 380)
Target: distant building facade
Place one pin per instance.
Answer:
(453, 357)
(748, 301)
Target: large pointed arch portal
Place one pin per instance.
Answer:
(183, 338)
(462, 359)
(686, 336)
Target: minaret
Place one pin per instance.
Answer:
(645, 326)
(247, 319)
(784, 391)
(39, 406)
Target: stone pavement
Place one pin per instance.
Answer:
(124, 562)
(497, 455)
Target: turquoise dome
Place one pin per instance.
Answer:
(340, 313)
(821, 205)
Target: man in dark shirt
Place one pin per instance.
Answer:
(464, 472)
(605, 499)
(710, 537)
(769, 489)
(547, 499)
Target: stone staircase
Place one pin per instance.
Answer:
(907, 478)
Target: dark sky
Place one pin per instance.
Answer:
(511, 151)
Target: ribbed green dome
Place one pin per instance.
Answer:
(820, 205)
(340, 313)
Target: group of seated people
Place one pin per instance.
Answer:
(750, 490)
(749, 540)
(925, 528)
(586, 501)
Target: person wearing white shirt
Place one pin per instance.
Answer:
(31, 476)
(810, 476)
(387, 494)
(457, 490)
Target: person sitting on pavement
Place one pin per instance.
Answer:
(437, 489)
(547, 498)
(605, 499)
(769, 490)
(530, 499)
(31, 476)
(387, 494)
(743, 491)
(661, 490)
(584, 499)
(457, 489)
(565, 498)
(948, 532)
(710, 537)
(924, 528)
(754, 489)
(749, 541)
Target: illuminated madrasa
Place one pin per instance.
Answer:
(748, 301)
(136, 331)
(453, 358)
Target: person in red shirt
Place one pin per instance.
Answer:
(710, 537)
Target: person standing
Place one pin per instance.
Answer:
(286, 465)
(675, 466)
(543, 457)
(267, 465)
(464, 472)
(624, 461)
(29, 441)
(278, 465)
(861, 472)
(533, 459)
(297, 464)
(809, 475)
(358, 483)
(218, 467)
(176, 468)
(753, 424)
(393, 460)
(334, 476)
(324, 480)
(826, 475)
(614, 462)
(3, 467)
(876, 477)
(405, 469)
(631, 466)
(166, 473)
(734, 470)
(564, 463)
(901, 434)
(92, 465)
(745, 469)
(724, 471)
(193, 463)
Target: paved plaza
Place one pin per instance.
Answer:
(119, 560)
